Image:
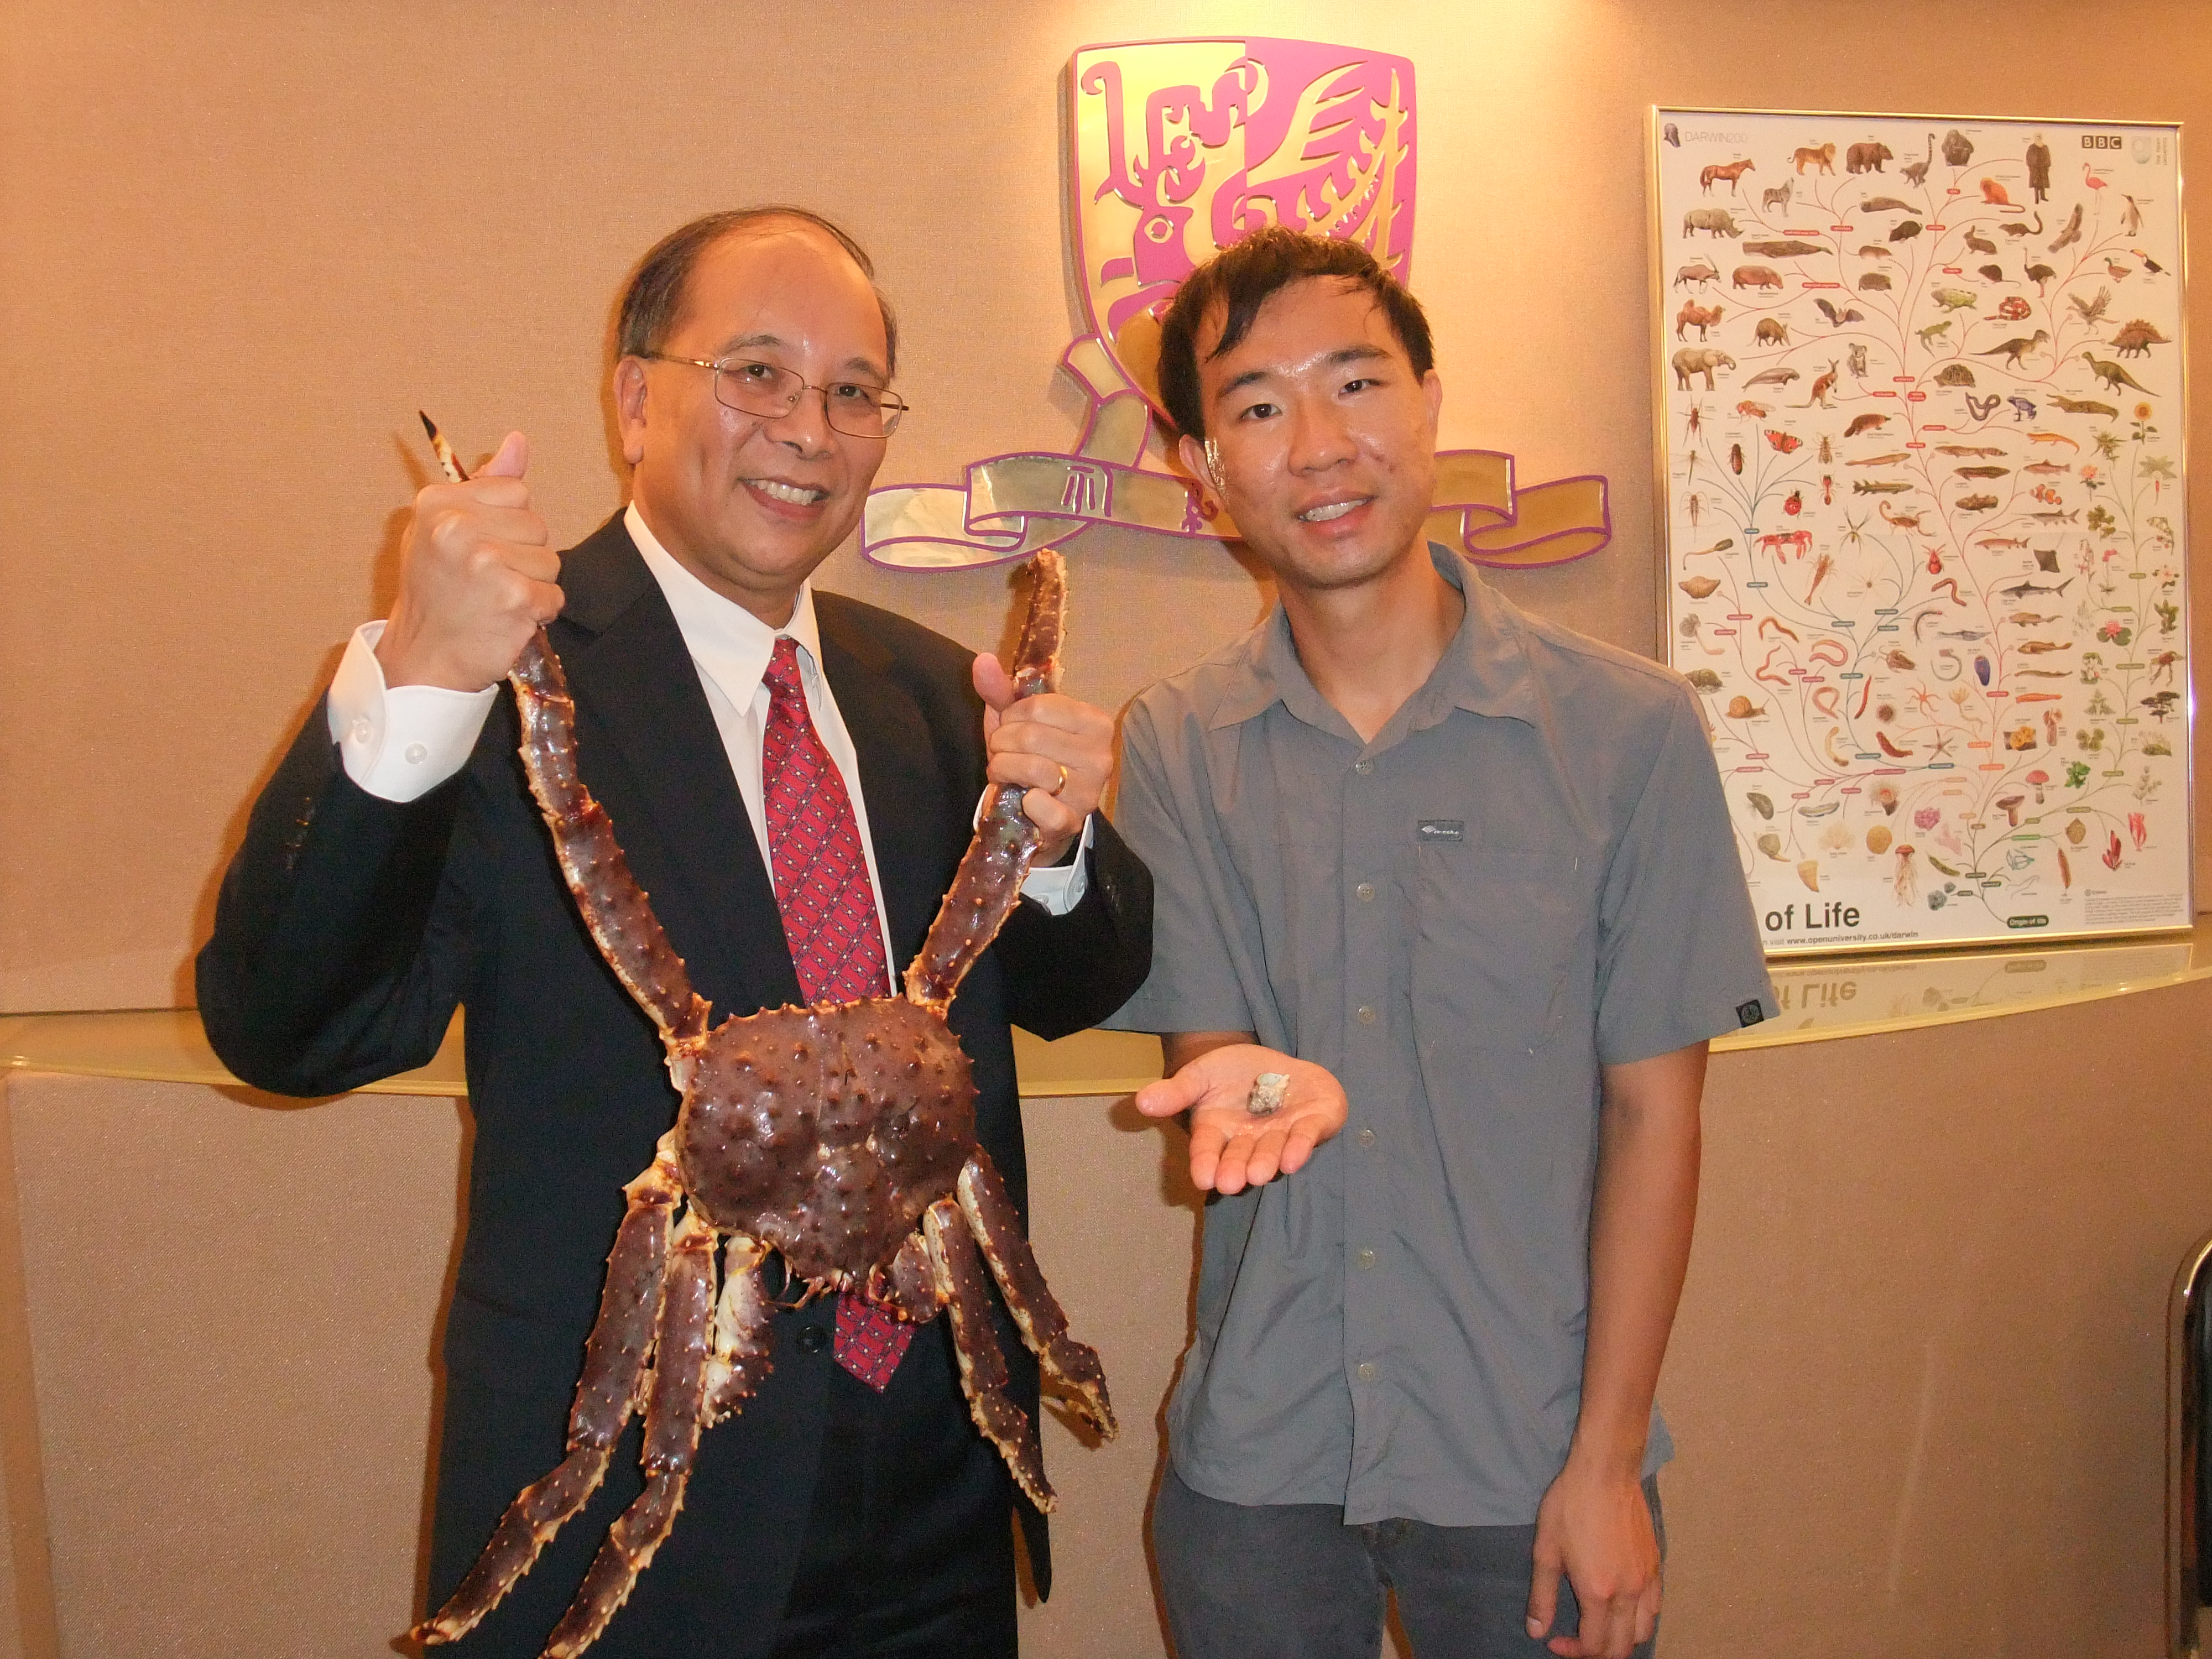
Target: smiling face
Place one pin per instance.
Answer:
(751, 504)
(1327, 438)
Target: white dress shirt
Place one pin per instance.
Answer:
(401, 742)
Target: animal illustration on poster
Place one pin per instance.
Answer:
(1940, 631)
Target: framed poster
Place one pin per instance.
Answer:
(1920, 405)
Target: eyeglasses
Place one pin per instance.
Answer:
(763, 389)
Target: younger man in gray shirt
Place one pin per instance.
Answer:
(1478, 868)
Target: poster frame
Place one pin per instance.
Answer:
(1667, 614)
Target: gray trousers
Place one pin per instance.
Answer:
(1292, 1581)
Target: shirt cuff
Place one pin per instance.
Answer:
(400, 742)
(1061, 887)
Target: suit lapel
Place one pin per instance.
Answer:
(667, 785)
(900, 779)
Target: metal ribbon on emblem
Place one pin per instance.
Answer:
(1229, 135)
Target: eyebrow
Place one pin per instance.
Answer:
(1337, 359)
(859, 365)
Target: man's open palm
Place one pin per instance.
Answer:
(1231, 1149)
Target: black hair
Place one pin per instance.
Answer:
(1243, 277)
(654, 299)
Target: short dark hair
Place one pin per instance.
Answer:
(654, 298)
(1241, 277)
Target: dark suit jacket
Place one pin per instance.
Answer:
(349, 927)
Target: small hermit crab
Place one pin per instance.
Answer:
(840, 1136)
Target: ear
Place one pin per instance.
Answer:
(629, 407)
(1432, 388)
(1193, 456)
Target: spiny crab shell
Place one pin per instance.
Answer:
(879, 1090)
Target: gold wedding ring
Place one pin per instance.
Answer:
(1062, 784)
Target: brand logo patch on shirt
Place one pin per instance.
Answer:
(1749, 1013)
(1443, 830)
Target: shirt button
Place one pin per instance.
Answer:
(1366, 1137)
(812, 1338)
(361, 731)
(1366, 1015)
(1366, 1370)
(1366, 1258)
(1363, 767)
(1366, 890)
(416, 754)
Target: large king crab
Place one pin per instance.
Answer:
(840, 1136)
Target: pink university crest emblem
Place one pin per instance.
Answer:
(1181, 148)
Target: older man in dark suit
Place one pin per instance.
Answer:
(396, 866)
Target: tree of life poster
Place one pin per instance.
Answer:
(1920, 409)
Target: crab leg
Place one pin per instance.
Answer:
(908, 1287)
(997, 1225)
(741, 1336)
(674, 1414)
(606, 1396)
(1044, 627)
(614, 907)
(989, 884)
(961, 1285)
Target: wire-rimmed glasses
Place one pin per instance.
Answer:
(752, 387)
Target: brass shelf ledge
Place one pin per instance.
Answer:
(1822, 1000)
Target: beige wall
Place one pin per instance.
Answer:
(1919, 1379)
(1917, 1374)
(241, 243)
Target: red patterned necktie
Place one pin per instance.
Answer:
(830, 921)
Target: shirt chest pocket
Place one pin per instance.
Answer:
(1503, 943)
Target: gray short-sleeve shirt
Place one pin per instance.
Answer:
(1529, 874)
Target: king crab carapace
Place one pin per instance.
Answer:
(839, 1136)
